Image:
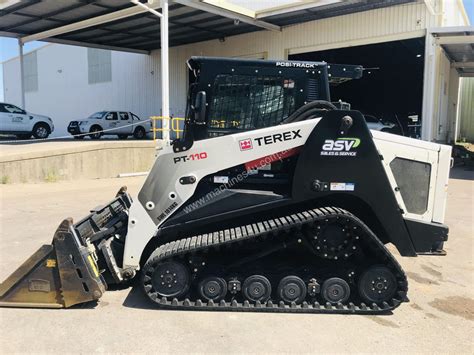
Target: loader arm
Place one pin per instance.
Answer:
(174, 176)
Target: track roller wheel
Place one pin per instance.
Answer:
(335, 290)
(292, 289)
(168, 279)
(377, 284)
(213, 288)
(257, 288)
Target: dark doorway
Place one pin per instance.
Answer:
(392, 92)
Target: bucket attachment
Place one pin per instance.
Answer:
(71, 270)
(59, 275)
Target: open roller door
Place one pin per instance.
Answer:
(391, 88)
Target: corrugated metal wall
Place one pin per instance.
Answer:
(466, 110)
(65, 94)
(135, 85)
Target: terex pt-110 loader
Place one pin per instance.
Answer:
(273, 201)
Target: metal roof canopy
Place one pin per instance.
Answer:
(458, 44)
(120, 25)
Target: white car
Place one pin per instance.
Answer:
(120, 123)
(377, 124)
(23, 124)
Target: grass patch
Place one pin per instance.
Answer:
(51, 176)
(5, 179)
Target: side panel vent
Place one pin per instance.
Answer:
(413, 179)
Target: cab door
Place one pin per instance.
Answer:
(125, 123)
(14, 119)
(5, 119)
(111, 123)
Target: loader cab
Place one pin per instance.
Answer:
(243, 95)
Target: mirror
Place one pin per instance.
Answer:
(200, 108)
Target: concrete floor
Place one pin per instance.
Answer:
(439, 317)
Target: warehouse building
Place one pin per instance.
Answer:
(415, 54)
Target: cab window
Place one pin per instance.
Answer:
(135, 117)
(111, 116)
(241, 102)
(97, 115)
(123, 116)
(12, 109)
(372, 119)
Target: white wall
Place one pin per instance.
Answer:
(454, 13)
(64, 93)
(466, 111)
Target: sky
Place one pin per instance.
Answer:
(9, 49)
(9, 46)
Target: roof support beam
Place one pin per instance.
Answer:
(302, 5)
(22, 75)
(462, 65)
(230, 14)
(146, 8)
(94, 45)
(164, 64)
(459, 39)
(8, 34)
(164, 68)
(113, 16)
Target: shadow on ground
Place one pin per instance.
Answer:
(137, 299)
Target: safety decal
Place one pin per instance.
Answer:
(50, 262)
(221, 179)
(167, 211)
(342, 186)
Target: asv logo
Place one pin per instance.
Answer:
(340, 147)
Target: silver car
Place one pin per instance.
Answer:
(377, 124)
(120, 123)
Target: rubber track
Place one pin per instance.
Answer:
(266, 229)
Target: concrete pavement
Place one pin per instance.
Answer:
(439, 318)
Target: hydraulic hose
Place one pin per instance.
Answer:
(304, 112)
